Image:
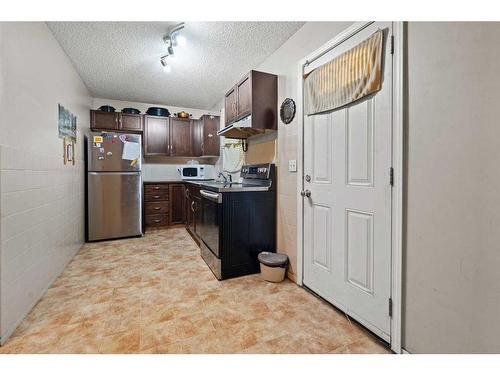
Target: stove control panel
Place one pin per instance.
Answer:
(257, 171)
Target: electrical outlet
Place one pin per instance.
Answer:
(292, 165)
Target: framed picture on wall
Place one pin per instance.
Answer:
(69, 151)
(66, 124)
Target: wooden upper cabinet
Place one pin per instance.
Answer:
(255, 94)
(197, 137)
(156, 136)
(100, 120)
(230, 109)
(130, 121)
(244, 97)
(180, 137)
(211, 141)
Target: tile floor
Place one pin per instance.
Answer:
(156, 295)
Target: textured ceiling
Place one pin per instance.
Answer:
(121, 60)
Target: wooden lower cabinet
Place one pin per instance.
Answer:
(156, 205)
(156, 220)
(177, 213)
(163, 204)
(192, 209)
(171, 204)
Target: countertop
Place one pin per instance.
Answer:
(193, 182)
(217, 186)
(162, 181)
(197, 183)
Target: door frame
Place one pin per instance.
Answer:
(397, 164)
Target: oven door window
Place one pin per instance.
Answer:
(210, 224)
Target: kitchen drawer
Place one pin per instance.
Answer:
(156, 220)
(155, 208)
(152, 189)
(160, 195)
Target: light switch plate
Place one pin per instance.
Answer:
(292, 165)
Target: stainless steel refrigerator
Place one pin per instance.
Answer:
(114, 185)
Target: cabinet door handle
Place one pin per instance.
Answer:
(156, 197)
(157, 220)
(157, 188)
(157, 208)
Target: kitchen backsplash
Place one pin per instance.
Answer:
(160, 172)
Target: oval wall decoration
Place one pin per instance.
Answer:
(287, 111)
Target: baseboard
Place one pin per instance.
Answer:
(291, 276)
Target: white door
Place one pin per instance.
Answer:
(347, 218)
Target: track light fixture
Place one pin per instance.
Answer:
(172, 39)
(167, 68)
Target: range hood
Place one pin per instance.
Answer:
(241, 129)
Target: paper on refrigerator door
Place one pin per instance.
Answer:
(131, 151)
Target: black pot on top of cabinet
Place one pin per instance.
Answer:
(103, 120)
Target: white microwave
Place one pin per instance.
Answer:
(196, 171)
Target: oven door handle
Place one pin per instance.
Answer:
(211, 196)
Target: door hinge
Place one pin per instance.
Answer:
(391, 176)
(390, 307)
(392, 44)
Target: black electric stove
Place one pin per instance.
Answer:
(238, 221)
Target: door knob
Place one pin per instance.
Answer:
(306, 193)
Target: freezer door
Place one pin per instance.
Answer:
(114, 205)
(109, 152)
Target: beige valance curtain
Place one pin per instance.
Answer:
(345, 79)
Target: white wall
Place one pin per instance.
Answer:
(41, 210)
(452, 251)
(284, 62)
(453, 212)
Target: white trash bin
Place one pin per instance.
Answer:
(273, 266)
